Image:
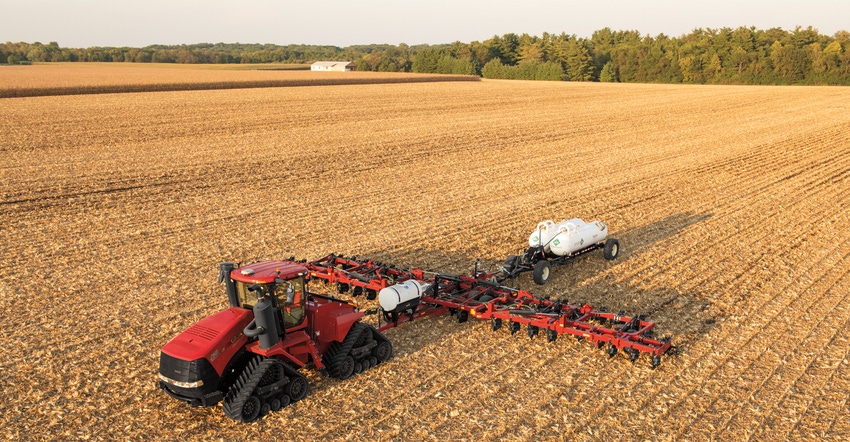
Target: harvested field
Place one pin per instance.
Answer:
(731, 205)
(107, 78)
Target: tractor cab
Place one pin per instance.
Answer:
(281, 283)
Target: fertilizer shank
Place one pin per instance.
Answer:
(479, 296)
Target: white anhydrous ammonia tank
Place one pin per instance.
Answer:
(542, 236)
(402, 296)
(574, 234)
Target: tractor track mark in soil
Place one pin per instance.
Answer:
(50, 200)
(839, 419)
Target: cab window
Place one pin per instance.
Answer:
(293, 298)
(247, 298)
(288, 296)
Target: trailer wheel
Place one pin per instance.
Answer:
(542, 271)
(612, 249)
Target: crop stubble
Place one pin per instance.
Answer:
(731, 204)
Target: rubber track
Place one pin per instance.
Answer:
(244, 387)
(379, 337)
(338, 351)
(335, 354)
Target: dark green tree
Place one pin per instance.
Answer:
(549, 71)
(427, 60)
(608, 74)
(504, 48)
(789, 62)
(493, 69)
(578, 64)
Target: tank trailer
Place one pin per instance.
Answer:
(558, 244)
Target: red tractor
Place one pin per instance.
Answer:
(249, 354)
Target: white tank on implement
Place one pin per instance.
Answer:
(402, 296)
(574, 234)
(542, 236)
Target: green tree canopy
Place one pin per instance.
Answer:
(744, 55)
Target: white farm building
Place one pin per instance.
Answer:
(338, 66)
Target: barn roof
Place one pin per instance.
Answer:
(332, 63)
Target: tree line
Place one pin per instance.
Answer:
(744, 55)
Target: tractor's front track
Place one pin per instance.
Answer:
(266, 384)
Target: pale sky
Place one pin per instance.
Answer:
(85, 23)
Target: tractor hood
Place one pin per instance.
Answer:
(265, 272)
(215, 338)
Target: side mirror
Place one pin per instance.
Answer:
(224, 270)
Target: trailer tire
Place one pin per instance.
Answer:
(542, 271)
(612, 249)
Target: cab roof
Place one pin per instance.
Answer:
(265, 272)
